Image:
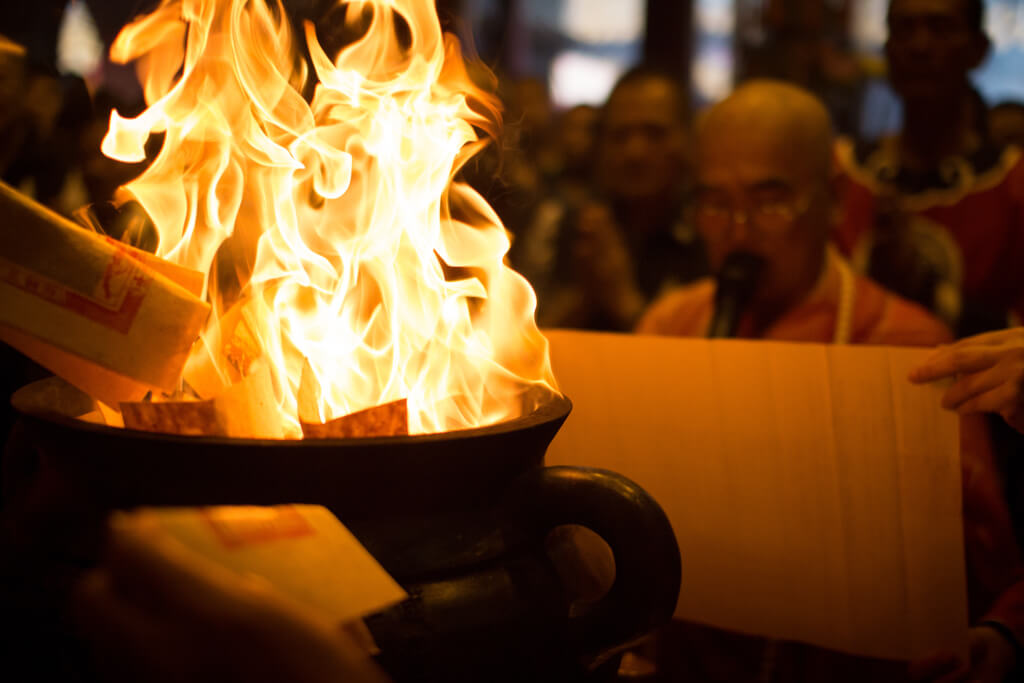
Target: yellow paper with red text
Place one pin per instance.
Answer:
(93, 310)
(302, 550)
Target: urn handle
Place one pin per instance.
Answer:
(647, 562)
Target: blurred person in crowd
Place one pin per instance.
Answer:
(576, 135)
(30, 101)
(763, 187)
(531, 110)
(936, 213)
(534, 248)
(41, 117)
(69, 133)
(616, 251)
(988, 374)
(92, 187)
(805, 42)
(36, 126)
(15, 123)
(511, 175)
(1006, 124)
(102, 175)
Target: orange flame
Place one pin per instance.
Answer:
(338, 246)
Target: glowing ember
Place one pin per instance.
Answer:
(336, 245)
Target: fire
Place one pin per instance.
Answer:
(322, 206)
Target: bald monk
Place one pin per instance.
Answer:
(763, 186)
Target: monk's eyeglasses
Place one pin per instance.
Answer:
(770, 215)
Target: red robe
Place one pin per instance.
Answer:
(979, 202)
(995, 569)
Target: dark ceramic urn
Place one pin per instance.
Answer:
(459, 519)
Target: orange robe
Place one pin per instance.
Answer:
(878, 316)
(995, 569)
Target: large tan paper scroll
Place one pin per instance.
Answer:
(112, 320)
(814, 492)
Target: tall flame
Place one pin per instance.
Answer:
(324, 209)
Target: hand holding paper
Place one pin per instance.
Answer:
(989, 373)
(157, 611)
(991, 659)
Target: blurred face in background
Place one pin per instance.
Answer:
(931, 47)
(760, 191)
(12, 84)
(529, 108)
(1006, 125)
(576, 133)
(642, 141)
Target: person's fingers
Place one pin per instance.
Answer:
(314, 656)
(95, 602)
(161, 574)
(992, 655)
(1014, 417)
(951, 360)
(994, 401)
(219, 617)
(959, 356)
(126, 641)
(934, 666)
(971, 385)
(1012, 335)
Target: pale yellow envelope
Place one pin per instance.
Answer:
(303, 550)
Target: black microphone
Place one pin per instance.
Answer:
(735, 283)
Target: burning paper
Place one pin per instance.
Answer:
(390, 419)
(319, 198)
(245, 409)
(112, 320)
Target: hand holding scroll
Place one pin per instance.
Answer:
(992, 658)
(989, 374)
